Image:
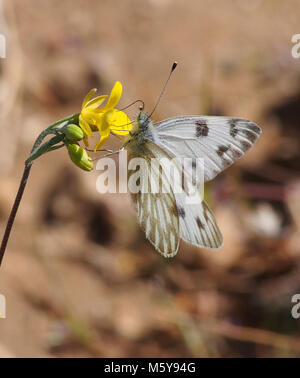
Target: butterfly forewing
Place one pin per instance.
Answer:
(218, 140)
(156, 209)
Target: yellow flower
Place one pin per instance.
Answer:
(104, 119)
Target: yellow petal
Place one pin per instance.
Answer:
(120, 122)
(86, 141)
(114, 97)
(89, 96)
(95, 102)
(102, 123)
(91, 116)
(102, 140)
(85, 126)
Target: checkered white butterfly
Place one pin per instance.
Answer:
(167, 217)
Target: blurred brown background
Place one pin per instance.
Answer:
(79, 278)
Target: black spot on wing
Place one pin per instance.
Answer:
(249, 135)
(245, 145)
(221, 150)
(233, 129)
(236, 154)
(253, 127)
(181, 211)
(194, 172)
(201, 128)
(205, 211)
(226, 163)
(199, 223)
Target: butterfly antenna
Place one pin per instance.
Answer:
(134, 102)
(174, 65)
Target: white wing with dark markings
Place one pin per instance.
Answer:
(197, 224)
(156, 211)
(220, 141)
(169, 214)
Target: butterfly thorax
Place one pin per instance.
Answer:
(142, 130)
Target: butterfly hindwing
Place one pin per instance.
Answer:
(220, 141)
(197, 223)
(156, 211)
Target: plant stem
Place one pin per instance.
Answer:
(14, 209)
(35, 152)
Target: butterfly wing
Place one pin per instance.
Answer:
(220, 141)
(197, 223)
(167, 216)
(156, 211)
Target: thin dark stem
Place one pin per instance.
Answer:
(36, 151)
(14, 209)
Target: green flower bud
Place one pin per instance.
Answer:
(73, 132)
(80, 157)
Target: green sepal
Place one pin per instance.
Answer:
(79, 156)
(46, 147)
(73, 132)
